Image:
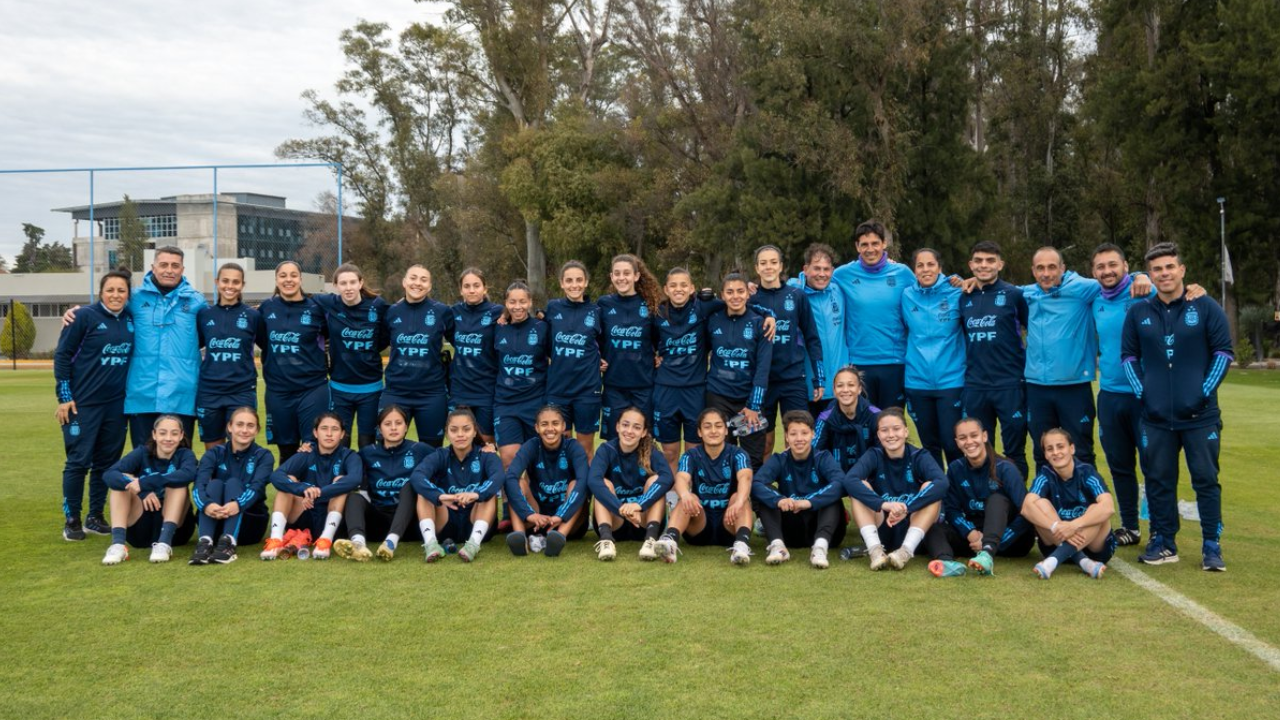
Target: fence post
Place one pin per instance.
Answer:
(13, 335)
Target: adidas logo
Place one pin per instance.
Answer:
(504, 341)
(102, 326)
(1084, 420)
(1147, 321)
(969, 304)
(397, 322)
(718, 332)
(272, 316)
(558, 317)
(313, 469)
(613, 311)
(1213, 436)
(209, 324)
(1018, 414)
(377, 464)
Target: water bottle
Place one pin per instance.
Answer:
(304, 552)
(1143, 512)
(740, 428)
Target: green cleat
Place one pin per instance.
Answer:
(982, 563)
(470, 549)
(432, 551)
(947, 568)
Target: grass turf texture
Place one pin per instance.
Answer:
(519, 637)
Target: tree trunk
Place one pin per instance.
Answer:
(537, 258)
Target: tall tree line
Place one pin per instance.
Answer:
(515, 135)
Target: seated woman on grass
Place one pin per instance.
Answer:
(897, 492)
(311, 492)
(1070, 506)
(804, 507)
(149, 495)
(231, 485)
(629, 479)
(846, 428)
(546, 488)
(713, 483)
(457, 490)
(383, 509)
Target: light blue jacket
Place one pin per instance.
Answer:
(1108, 318)
(827, 307)
(166, 349)
(873, 312)
(935, 336)
(1062, 345)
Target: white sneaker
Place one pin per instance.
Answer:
(667, 549)
(899, 558)
(818, 557)
(116, 554)
(161, 552)
(537, 543)
(877, 557)
(606, 550)
(740, 554)
(778, 553)
(649, 550)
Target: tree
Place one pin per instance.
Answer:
(36, 257)
(4, 264)
(18, 333)
(133, 236)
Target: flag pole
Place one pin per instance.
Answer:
(1222, 224)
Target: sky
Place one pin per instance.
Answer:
(132, 83)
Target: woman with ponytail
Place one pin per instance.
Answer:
(627, 316)
(629, 479)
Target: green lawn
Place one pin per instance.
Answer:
(573, 637)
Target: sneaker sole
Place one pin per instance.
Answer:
(1159, 561)
(71, 539)
(159, 560)
(517, 545)
(226, 561)
(1040, 573)
(555, 545)
(1208, 568)
(97, 532)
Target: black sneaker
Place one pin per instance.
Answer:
(518, 543)
(1126, 536)
(225, 552)
(96, 525)
(1158, 552)
(73, 530)
(204, 551)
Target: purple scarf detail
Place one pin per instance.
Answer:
(884, 260)
(1121, 287)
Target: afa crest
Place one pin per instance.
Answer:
(789, 304)
(1001, 300)
(564, 463)
(891, 282)
(644, 310)
(373, 315)
(533, 337)
(475, 466)
(306, 317)
(129, 324)
(589, 320)
(747, 332)
(486, 321)
(1192, 318)
(242, 322)
(408, 461)
(431, 319)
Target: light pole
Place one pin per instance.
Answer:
(1222, 224)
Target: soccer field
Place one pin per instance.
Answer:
(574, 637)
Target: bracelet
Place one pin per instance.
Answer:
(1054, 526)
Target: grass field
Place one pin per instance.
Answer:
(573, 637)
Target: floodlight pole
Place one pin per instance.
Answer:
(91, 225)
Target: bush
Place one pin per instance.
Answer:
(19, 332)
(1244, 352)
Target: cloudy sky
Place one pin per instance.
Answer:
(134, 83)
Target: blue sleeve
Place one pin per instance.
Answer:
(812, 341)
(1038, 485)
(762, 484)
(821, 435)
(291, 467)
(204, 473)
(261, 336)
(595, 480)
(130, 464)
(350, 479)
(256, 486)
(515, 496)
(1097, 486)
(935, 484)
(1131, 351)
(184, 471)
(764, 359)
(491, 466)
(953, 506)
(658, 490)
(1219, 343)
(422, 474)
(578, 495)
(854, 487)
(68, 345)
(1012, 482)
(832, 476)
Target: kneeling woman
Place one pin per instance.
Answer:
(897, 490)
(1070, 506)
(629, 479)
(457, 488)
(311, 491)
(149, 495)
(713, 482)
(387, 501)
(230, 489)
(546, 487)
(804, 507)
(982, 507)
(846, 428)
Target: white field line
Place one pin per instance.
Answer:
(1206, 617)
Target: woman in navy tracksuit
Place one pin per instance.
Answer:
(294, 366)
(680, 380)
(797, 340)
(523, 346)
(629, 478)
(627, 316)
(738, 376)
(228, 331)
(416, 376)
(573, 380)
(311, 491)
(804, 507)
(983, 507)
(897, 493)
(1070, 507)
(935, 365)
(846, 429)
(474, 370)
(457, 491)
(546, 488)
(149, 495)
(90, 368)
(230, 492)
(386, 503)
(356, 341)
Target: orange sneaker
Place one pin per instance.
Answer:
(301, 540)
(323, 547)
(288, 549)
(271, 550)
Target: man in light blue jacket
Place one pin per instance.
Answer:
(826, 302)
(166, 350)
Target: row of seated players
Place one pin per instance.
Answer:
(900, 497)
